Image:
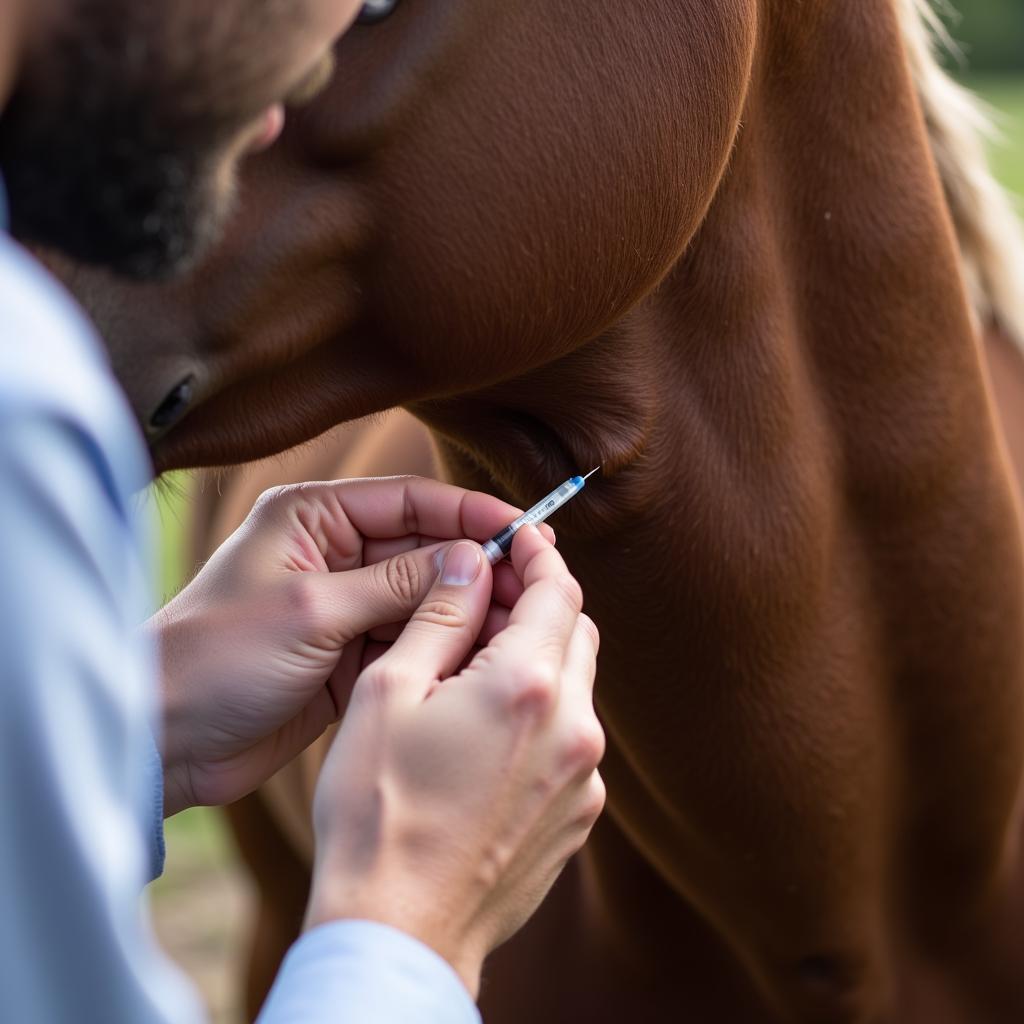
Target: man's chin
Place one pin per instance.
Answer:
(144, 242)
(159, 261)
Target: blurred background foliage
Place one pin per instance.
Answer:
(991, 36)
(991, 33)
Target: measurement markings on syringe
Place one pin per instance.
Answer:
(501, 543)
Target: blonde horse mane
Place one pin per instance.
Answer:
(959, 125)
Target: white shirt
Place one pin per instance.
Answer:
(80, 780)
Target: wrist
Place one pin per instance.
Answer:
(176, 775)
(417, 914)
(178, 795)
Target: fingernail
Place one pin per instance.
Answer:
(461, 565)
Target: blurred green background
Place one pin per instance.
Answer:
(991, 36)
(201, 901)
(1005, 94)
(991, 33)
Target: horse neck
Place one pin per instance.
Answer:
(817, 317)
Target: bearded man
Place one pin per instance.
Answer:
(464, 772)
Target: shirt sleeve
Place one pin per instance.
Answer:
(80, 774)
(75, 707)
(80, 784)
(361, 971)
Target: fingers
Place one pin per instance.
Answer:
(507, 589)
(582, 738)
(441, 631)
(286, 743)
(400, 506)
(495, 622)
(353, 522)
(375, 550)
(357, 601)
(378, 550)
(544, 618)
(379, 598)
(353, 658)
(581, 659)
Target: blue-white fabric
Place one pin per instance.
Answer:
(80, 778)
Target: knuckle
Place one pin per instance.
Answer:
(584, 746)
(311, 610)
(591, 631)
(589, 809)
(594, 800)
(569, 590)
(376, 683)
(410, 518)
(272, 497)
(534, 690)
(304, 596)
(401, 577)
(436, 611)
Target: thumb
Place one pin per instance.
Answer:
(443, 629)
(381, 593)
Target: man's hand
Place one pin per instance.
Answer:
(259, 653)
(451, 799)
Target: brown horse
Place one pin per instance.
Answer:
(705, 243)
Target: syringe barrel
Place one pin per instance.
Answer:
(500, 544)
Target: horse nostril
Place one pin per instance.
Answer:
(375, 10)
(173, 407)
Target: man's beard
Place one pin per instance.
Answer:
(100, 164)
(138, 209)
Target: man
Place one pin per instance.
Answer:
(464, 772)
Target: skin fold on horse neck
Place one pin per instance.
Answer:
(595, 407)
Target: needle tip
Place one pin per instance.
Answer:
(592, 472)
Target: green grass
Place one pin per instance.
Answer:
(198, 836)
(197, 839)
(170, 501)
(1005, 94)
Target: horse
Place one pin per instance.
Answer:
(747, 256)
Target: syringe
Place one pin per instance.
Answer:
(501, 543)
